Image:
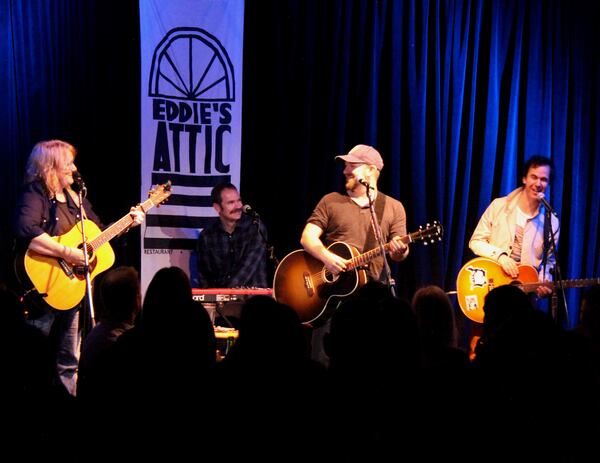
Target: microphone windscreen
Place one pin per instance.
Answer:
(77, 182)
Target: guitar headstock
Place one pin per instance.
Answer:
(160, 193)
(429, 233)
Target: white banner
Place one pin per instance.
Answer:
(191, 120)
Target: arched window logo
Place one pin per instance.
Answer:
(191, 64)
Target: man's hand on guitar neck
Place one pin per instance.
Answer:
(543, 291)
(398, 250)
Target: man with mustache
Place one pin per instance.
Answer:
(231, 251)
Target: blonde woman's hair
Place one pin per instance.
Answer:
(45, 161)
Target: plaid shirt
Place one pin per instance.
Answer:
(232, 260)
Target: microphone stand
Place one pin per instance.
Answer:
(268, 247)
(86, 268)
(272, 258)
(550, 246)
(379, 237)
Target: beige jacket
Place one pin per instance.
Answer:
(495, 233)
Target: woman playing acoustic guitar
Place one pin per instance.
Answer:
(48, 207)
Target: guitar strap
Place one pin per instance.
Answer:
(76, 206)
(370, 242)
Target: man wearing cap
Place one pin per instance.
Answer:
(347, 218)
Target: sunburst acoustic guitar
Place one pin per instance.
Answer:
(480, 275)
(61, 285)
(303, 282)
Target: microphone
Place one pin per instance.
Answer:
(78, 183)
(247, 209)
(362, 181)
(546, 204)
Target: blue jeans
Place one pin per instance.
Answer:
(62, 327)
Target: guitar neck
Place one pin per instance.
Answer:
(365, 258)
(579, 283)
(119, 226)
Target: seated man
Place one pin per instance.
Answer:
(232, 251)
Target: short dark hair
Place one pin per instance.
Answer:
(215, 194)
(536, 161)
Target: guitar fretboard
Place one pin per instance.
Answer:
(368, 256)
(579, 283)
(118, 226)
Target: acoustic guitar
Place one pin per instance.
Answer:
(304, 283)
(480, 275)
(61, 285)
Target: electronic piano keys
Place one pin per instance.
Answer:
(228, 294)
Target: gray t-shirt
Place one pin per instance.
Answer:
(341, 219)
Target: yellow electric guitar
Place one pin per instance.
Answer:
(480, 275)
(61, 285)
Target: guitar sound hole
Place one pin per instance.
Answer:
(330, 277)
(79, 270)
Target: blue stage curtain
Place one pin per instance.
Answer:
(455, 94)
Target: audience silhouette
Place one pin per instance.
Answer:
(117, 306)
(373, 347)
(34, 406)
(437, 329)
(270, 384)
(397, 382)
(518, 378)
(158, 375)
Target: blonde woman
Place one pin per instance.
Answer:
(48, 206)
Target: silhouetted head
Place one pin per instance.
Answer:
(435, 316)
(169, 293)
(120, 294)
(271, 330)
(502, 304)
(373, 330)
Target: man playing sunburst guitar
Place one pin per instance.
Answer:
(511, 230)
(49, 207)
(347, 218)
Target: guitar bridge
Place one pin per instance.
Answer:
(308, 284)
(66, 268)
